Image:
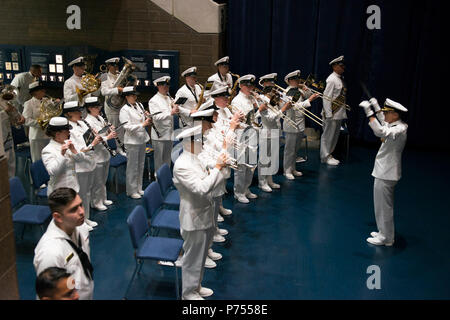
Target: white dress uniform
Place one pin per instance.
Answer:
(195, 186)
(70, 88)
(53, 250)
(102, 157)
(293, 135)
(269, 136)
(84, 169)
(219, 80)
(61, 169)
(22, 81)
(8, 143)
(37, 137)
(160, 108)
(192, 95)
(331, 123)
(243, 175)
(387, 172)
(135, 139)
(108, 90)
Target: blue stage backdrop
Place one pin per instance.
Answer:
(405, 60)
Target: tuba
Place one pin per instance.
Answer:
(90, 84)
(125, 78)
(49, 108)
(7, 94)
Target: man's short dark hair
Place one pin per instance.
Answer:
(60, 198)
(47, 281)
(36, 66)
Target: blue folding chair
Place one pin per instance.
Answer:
(158, 215)
(27, 214)
(170, 195)
(39, 176)
(116, 162)
(150, 248)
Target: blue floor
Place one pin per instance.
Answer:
(305, 241)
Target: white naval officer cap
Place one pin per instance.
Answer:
(220, 92)
(91, 102)
(337, 60)
(192, 71)
(247, 79)
(292, 75)
(34, 86)
(390, 105)
(59, 123)
(71, 106)
(77, 62)
(224, 60)
(190, 132)
(269, 77)
(129, 91)
(161, 81)
(206, 115)
(113, 60)
(207, 106)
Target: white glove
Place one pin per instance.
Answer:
(375, 104)
(367, 109)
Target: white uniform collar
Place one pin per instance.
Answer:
(56, 233)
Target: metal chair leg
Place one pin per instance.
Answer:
(177, 285)
(131, 281)
(140, 266)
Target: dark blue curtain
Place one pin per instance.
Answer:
(405, 60)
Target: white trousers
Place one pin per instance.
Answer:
(99, 185)
(86, 180)
(243, 177)
(266, 163)
(292, 145)
(383, 198)
(162, 153)
(135, 167)
(195, 247)
(36, 146)
(330, 136)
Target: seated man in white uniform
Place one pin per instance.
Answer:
(388, 126)
(195, 185)
(191, 91)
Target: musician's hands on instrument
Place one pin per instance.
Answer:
(20, 121)
(96, 140)
(68, 145)
(286, 106)
(234, 123)
(313, 97)
(175, 110)
(263, 107)
(111, 135)
(120, 89)
(147, 122)
(222, 161)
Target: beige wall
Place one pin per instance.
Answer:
(8, 273)
(110, 25)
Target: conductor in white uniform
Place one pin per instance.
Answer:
(195, 185)
(65, 244)
(388, 126)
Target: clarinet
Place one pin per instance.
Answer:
(148, 116)
(111, 151)
(109, 124)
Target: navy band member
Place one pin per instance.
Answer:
(136, 138)
(190, 90)
(31, 113)
(162, 111)
(56, 284)
(223, 76)
(195, 185)
(101, 154)
(108, 89)
(388, 126)
(74, 82)
(65, 244)
(332, 121)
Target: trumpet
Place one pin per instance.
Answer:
(235, 143)
(230, 161)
